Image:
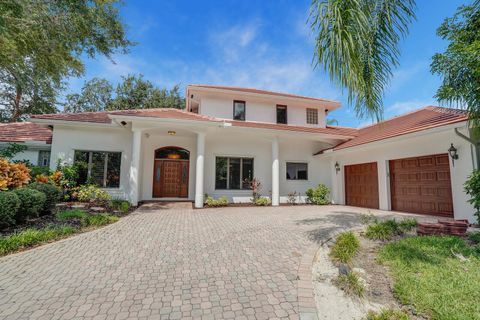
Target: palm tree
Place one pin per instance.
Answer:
(357, 44)
(332, 122)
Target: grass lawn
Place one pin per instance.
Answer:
(35, 236)
(429, 276)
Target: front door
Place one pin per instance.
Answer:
(170, 179)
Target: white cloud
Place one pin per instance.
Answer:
(403, 75)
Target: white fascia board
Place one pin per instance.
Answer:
(331, 152)
(52, 122)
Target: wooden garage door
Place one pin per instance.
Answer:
(361, 185)
(421, 185)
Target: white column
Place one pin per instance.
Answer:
(275, 174)
(135, 167)
(199, 170)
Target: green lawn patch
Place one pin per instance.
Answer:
(99, 220)
(350, 283)
(387, 314)
(71, 214)
(345, 247)
(31, 237)
(439, 276)
(386, 230)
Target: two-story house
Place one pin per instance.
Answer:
(228, 136)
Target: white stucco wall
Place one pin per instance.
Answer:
(31, 153)
(258, 110)
(68, 139)
(434, 141)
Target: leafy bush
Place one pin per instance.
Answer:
(13, 175)
(121, 205)
(93, 194)
(472, 188)
(9, 204)
(220, 202)
(255, 185)
(386, 230)
(32, 237)
(262, 202)
(71, 214)
(351, 284)
(39, 171)
(99, 220)
(345, 247)
(387, 314)
(53, 194)
(11, 150)
(319, 195)
(31, 203)
(474, 237)
(292, 197)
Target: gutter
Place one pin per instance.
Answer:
(475, 146)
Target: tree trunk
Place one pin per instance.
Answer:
(16, 112)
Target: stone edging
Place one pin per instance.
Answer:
(306, 300)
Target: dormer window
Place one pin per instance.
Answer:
(312, 116)
(281, 114)
(239, 110)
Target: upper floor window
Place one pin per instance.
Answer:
(312, 116)
(99, 168)
(281, 114)
(239, 110)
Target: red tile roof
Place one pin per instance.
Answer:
(258, 91)
(422, 119)
(167, 113)
(24, 131)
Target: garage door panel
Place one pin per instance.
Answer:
(361, 185)
(421, 188)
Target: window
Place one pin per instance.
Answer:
(297, 171)
(233, 173)
(43, 158)
(239, 110)
(312, 116)
(99, 168)
(281, 114)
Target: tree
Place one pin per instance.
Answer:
(95, 95)
(357, 43)
(42, 42)
(133, 92)
(459, 64)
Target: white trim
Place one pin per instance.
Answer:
(72, 123)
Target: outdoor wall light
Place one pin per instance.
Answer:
(337, 168)
(172, 133)
(452, 151)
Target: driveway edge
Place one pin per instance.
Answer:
(306, 300)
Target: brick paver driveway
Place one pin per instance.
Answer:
(172, 263)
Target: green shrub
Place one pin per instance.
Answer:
(345, 247)
(93, 194)
(31, 203)
(319, 195)
(262, 202)
(99, 220)
(9, 204)
(32, 237)
(39, 171)
(52, 193)
(474, 237)
(351, 284)
(472, 188)
(71, 214)
(386, 230)
(387, 314)
(220, 202)
(121, 205)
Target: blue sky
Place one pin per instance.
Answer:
(261, 44)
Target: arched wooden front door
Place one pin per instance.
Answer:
(170, 173)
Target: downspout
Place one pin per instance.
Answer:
(475, 146)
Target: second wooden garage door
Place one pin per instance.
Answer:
(361, 185)
(421, 185)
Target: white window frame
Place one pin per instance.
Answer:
(297, 162)
(228, 171)
(105, 166)
(311, 118)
